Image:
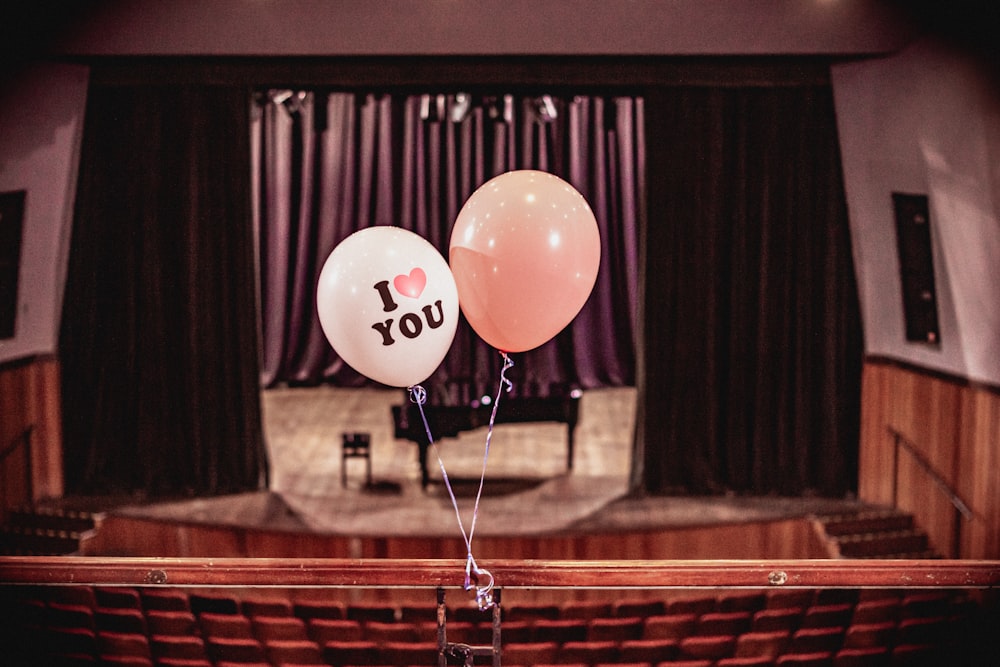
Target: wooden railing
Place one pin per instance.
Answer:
(527, 574)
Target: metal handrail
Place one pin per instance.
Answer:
(962, 510)
(22, 440)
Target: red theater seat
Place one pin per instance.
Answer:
(692, 605)
(745, 662)
(924, 604)
(670, 626)
(382, 613)
(293, 652)
(828, 616)
(816, 640)
(800, 598)
(876, 656)
(278, 627)
(177, 647)
(534, 653)
(70, 641)
(707, 648)
(215, 604)
(60, 615)
(126, 661)
(724, 623)
(585, 610)
(235, 649)
(933, 630)
(530, 612)
(742, 602)
(266, 607)
(560, 630)
(393, 632)
(115, 597)
(648, 650)
(770, 620)
(164, 600)
(350, 653)
(876, 611)
(225, 625)
(640, 608)
(616, 629)
(171, 623)
(120, 620)
(122, 643)
(70, 595)
(309, 609)
(408, 653)
(866, 635)
(323, 630)
(762, 644)
(804, 660)
(589, 652)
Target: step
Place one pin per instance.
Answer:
(874, 545)
(52, 519)
(864, 523)
(26, 541)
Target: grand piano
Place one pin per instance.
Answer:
(447, 421)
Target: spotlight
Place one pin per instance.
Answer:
(545, 109)
(499, 109)
(460, 107)
(432, 108)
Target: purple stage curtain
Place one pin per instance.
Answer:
(328, 164)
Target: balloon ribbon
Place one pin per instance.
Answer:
(474, 575)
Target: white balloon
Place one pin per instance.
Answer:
(388, 305)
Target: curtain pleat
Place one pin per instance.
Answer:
(159, 332)
(385, 164)
(752, 338)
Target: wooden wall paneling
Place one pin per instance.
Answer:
(978, 471)
(127, 536)
(30, 396)
(956, 427)
(875, 458)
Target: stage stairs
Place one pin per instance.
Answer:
(875, 533)
(47, 531)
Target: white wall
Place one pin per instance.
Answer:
(41, 123)
(926, 120)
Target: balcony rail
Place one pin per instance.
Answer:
(526, 574)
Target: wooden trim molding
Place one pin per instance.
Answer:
(432, 573)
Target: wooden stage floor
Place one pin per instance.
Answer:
(528, 489)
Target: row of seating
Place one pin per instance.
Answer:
(173, 627)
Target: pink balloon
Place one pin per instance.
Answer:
(525, 250)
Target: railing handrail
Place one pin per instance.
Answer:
(548, 574)
(17, 441)
(21, 440)
(960, 505)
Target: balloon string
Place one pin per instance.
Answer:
(473, 573)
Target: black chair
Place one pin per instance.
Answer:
(356, 445)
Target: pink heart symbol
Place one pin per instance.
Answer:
(411, 285)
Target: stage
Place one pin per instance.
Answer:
(529, 496)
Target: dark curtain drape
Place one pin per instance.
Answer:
(329, 164)
(159, 331)
(752, 345)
